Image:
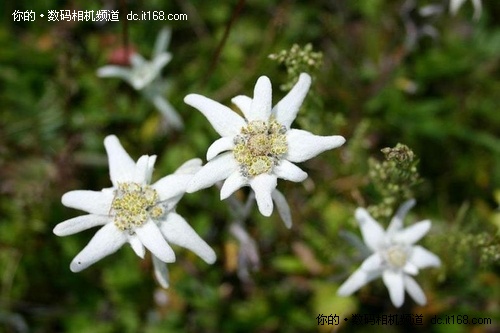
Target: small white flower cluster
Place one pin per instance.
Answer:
(260, 147)
(144, 76)
(135, 212)
(394, 256)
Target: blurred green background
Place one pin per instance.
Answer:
(383, 80)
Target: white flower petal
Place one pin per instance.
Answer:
(217, 169)
(143, 169)
(106, 241)
(93, 202)
(372, 263)
(80, 223)
(422, 258)
(413, 233)
(373, 234)
(410, 268)
(140, 82)
(289, 171)
(397, 221)
(168, 111)
(162, 41)
(456, 4)
(161, 272)
(219, 146)
(114, 71)
(172, 186)
(477, 9)
(137, 246)
(189, 167)
(414, 290)
(286, 110)
(358, 279)
(263, 185)
(260, 109)
(151, 236)
(224, 120)
(303, 145)
(393, 280)
(244, 103)
(151, 167)
(136, 60)
(177, 231)
(283, 207)
(121, 165)
(161, 60)
(234, 182)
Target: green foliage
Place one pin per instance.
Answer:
(440, 99)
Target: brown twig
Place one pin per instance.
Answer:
(123, 4)
(215, 59)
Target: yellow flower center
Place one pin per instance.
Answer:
(259, 147)
(134, 204)
(396, 256)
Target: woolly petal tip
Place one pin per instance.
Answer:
(161, 272)
(397, 221)
(373, 234)
(289, 171)
(260, 108)
(243, 103)
(80, 223)
(283, 208)
(286, 110)
(93, 202)
(177, 231)
(224, 120)
(303, 145)
(151, 236)
(219, 146)
(105, 242)
(414, 290)
(144, 169)
(219, 168)
(114, 71)
(413, 233)
(162, 41)
(121, 165)
(357, 280)
(263, 185)
(234, 182)
(172, 186)
(137, 246)
(393, 280)
(189, 167)
(422, 258)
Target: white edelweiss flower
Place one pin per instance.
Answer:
(395, 257)
(261, 147)
(456, 4)
(134, 211)
(145, 76)
(142, 72)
